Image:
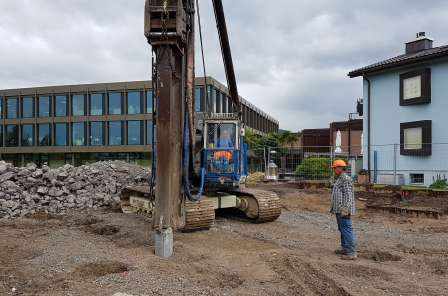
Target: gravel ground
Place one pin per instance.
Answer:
(108, 253)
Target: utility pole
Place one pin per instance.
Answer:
(166, 30)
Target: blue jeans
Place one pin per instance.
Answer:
(348, 239)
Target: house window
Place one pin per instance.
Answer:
(416, 138)
(415, 87)
(417, 178)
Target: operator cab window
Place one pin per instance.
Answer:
(221, 136)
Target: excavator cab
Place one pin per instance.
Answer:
(224, 152)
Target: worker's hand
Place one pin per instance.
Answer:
(345, 213)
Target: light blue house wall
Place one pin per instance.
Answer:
(387, 114)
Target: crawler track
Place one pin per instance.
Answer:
(260, 205)
(198, 215)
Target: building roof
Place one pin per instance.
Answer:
(402, 60)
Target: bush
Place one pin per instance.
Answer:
(315, 168)
(439, 184)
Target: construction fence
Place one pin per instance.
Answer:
(391, 164)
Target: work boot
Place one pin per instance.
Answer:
(349, 257)
(340, 252)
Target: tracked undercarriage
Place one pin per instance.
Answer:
(260, 206)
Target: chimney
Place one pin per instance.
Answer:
(421, 43)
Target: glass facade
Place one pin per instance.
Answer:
(44, 106)
(78, 134)
(199, 99)
(134, 132)
(28, 107)
(134, 102)
(1, 107)
(27, 135)
(97, 133)
(61, 105)
(218, 101)
(44, 134)
(78, 105)
(149, 102)
(12, 136)
(115, 133)
(11, 108)
(96, 104)
(60, 134)
(115, 103)
(149, 131)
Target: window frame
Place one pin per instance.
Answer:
(67, 102)
(72, 109)
(103, 105)
(17, 116)
(84, 128)
(142, 135)
(109, 132)
(425, 82)
(103, 135)
(67, 137)
(33, 110)
(109, 100)
(38, 135)
(33, 130)
(413, 177)
(426, 126)
(140, 102)
(50, 100)
(17, 136)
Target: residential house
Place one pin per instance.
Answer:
(405, 104)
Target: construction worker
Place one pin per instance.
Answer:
(343, 206)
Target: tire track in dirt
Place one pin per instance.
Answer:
(304, 279)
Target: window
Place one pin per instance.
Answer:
(134, 132)
(61, 105)
(417, 178)
(210, 99)
(1, 107)
(1, 135)
(218, 101)
(134, 102)
(44, 134)
(60, 134)
(28, 107)
(149, 102)
(149, 132)
(78, 105)
(97, 133)
(197, 99)
(96, 104)
(11, 108)
(416, 138)
(415, 87)
(78, 134)
(221, 135)
(224, 104)
(115, 104)
(27, 135)
(115, 133)
(44, 106)
(12, 136)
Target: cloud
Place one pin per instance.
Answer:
(291, 57)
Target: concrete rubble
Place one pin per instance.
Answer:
(27, 190)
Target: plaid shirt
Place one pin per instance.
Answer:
(342, 195)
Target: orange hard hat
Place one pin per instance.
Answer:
(339, 163)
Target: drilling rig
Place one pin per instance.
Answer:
(199, 164)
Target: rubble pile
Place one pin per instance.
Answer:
(30, 189)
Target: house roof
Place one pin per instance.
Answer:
(402, 60)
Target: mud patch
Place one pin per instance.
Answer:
(103, 229)
(98, 269)
(304, 279)
(438, 266)
(364, 272)
(86, 221)
(43, 216)
(379, 256)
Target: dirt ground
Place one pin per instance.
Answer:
(107, 252)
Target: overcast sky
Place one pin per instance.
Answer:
(291, 57)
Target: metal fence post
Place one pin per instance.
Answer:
(395, 164)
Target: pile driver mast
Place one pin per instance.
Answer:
(169, 29)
